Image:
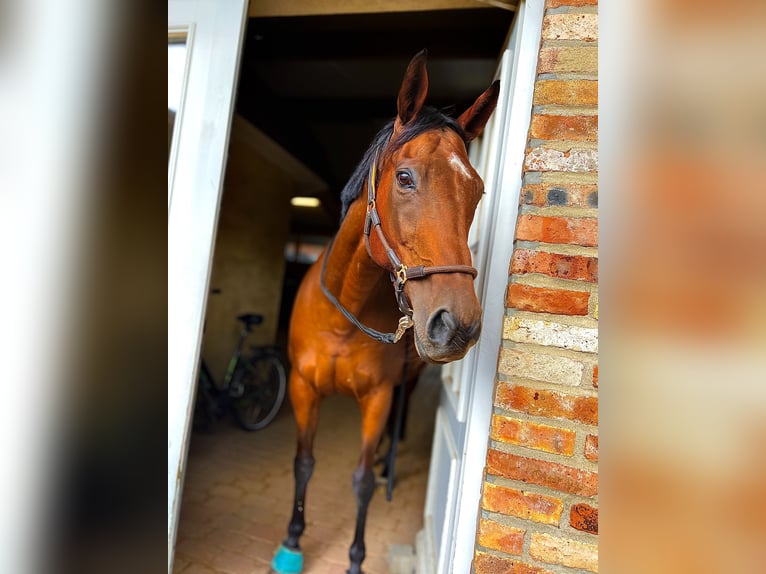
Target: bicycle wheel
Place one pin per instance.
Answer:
(258, 390)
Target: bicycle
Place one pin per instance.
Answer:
(253, 387)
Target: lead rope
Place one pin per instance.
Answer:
(397, 424)
(389, 338)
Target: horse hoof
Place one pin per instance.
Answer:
(287, 561)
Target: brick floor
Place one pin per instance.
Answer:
(238, 492)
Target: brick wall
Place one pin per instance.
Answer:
(539, 505)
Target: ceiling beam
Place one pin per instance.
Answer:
(277, 8)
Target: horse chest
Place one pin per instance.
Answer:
(360, 375)
(351, 369)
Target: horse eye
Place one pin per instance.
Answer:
(404, 179)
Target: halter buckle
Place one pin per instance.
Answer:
(401, 274)
(404, 323)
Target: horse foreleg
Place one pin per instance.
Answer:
(303, 468)
(375, 408)
(305, 401)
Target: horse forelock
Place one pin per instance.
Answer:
(428, 119)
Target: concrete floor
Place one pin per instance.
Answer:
(238, 492)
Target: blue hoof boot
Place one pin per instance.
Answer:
(287, 561)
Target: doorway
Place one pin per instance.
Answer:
(320, 87)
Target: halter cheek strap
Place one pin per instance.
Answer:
(400, 273)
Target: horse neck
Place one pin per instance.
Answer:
(351, 274)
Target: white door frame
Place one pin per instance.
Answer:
(480, 367)
(195, 178)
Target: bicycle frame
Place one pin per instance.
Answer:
(228, 396)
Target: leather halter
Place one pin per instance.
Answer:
(400, 273)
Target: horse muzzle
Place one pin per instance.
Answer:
(445, 337)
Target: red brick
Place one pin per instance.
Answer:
(571, 230)
(584, 517)
(512, 502)
(595, 376)
(484, 563)
(545, 300)
(575, 267)
(578, 3)
(567, 195)
(566, 92)
(500, 537)
(541, 437)
(546, 403)
(544, 473)
(577, 128)
(591, 447)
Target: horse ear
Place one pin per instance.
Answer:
(414, 88)
(475, 118)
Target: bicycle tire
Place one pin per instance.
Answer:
(263, 383)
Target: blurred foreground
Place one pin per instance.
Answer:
(683, 294)
(682, 307)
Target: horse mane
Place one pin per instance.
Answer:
(428, 118)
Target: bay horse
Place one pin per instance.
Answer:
(411, 230)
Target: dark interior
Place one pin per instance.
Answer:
(322, 86)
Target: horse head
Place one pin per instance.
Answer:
(426, 195)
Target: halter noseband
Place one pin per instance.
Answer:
(400, 273)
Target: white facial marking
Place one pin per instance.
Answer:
(456, 162)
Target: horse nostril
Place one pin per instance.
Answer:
(441, 327)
